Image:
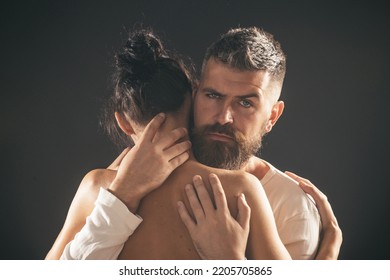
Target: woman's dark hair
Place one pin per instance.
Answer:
(146, 81)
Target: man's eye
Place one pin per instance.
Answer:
(213, 95)
(245, 103)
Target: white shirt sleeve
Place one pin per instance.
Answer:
(296, 216)
(105, 232)
(300, 234)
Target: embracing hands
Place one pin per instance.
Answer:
(218, 235)
(214, 232)
(145, 166)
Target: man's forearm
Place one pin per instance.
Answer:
(105, 232)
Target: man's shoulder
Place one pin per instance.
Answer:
(296, 215)
(274, 180)
(278, 181)
(284, 192)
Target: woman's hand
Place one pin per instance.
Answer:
(214, 232)
(149, 163)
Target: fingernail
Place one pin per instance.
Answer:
(197, 177)
(161, 115)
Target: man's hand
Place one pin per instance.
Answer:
(147, 165)
(331, 232)
(215, 233)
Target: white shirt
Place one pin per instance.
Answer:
(105, 232)
(296, 216)
(111, 223)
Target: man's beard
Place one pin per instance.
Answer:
(230, 155)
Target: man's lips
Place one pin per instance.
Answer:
(220, 137)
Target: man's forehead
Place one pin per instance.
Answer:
(217, 74)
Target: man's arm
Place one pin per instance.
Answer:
(149, 163)
(105, 231)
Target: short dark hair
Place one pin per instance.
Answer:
(250, 49)
(146, 81)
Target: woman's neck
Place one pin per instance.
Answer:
(172, 122)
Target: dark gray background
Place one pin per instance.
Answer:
(55, 59)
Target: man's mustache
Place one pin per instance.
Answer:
(227, 130)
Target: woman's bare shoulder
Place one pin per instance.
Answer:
(96, 179)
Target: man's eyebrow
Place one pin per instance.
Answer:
(211, 90)
(249, 95)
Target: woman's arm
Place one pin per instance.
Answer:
(129, 183)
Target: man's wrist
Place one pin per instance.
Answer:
(130, 198)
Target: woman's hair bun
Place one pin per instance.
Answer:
(138, 58)
(147, 80)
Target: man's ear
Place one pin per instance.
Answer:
(124, 124)
(276, 112)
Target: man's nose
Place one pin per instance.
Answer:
(225, 115)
